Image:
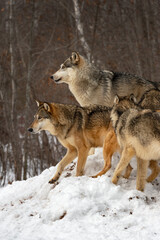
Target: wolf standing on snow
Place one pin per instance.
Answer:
(90, 85)
(138, 133)
(77, 129)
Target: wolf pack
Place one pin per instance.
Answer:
(118, 112)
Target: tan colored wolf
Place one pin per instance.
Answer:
(90, 85)
(138, 133)
(77, 128)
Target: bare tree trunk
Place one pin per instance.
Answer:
(149, 40)
(11, 3)
(28, 87)
(94, 29)
(137, 33)
(80, 29)
(13, 121)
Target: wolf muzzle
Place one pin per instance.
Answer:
(30, 129)
(55, 80)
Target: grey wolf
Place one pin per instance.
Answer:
(77, 129)
(151, 100)
(90, 85)
(138, 133)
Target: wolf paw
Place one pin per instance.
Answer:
(55, 178)
(52, 181)
(115, 179)
(94, 176)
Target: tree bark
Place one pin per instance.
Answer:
(79, 26)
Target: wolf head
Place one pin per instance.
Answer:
(125, 103)
(120, 105)
(44, 119)
(67, 71)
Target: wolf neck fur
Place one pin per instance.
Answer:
(66, 121)
(90, 78)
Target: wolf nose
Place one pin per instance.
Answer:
(30, 129)
(52, 77)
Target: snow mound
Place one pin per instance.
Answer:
(80, 207)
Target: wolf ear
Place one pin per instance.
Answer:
(47, 107)
(38, 103)
(75, 57)
(133, 98)
(116, 100)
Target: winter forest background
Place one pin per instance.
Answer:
(36, 37)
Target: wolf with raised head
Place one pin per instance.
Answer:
(138, 133)
(90, 85)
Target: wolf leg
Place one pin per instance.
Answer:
(127, 154)
(110, 146)
(68, 158)
(142, 166)
(82, 157)
(128, 171)
(153, 165)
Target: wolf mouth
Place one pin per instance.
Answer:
(57, 80)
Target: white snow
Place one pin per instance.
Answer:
(80, 208)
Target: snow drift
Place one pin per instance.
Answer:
(80, 207)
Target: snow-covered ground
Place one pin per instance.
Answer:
(80, 208)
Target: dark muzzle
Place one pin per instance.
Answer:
(30, 129)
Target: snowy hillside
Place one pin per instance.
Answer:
(80, 208)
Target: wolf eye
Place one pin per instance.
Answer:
(39, 117)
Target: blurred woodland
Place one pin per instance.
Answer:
(36, 37)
